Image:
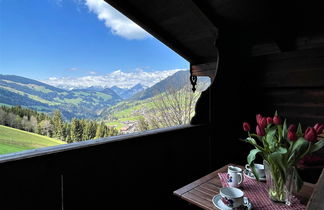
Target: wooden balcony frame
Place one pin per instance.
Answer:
(106, 170)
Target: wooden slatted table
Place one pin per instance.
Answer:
(201, 191)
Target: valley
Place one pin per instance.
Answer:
(125, 109)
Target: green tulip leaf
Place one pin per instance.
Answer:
(299, 131)
(282, 150)
(270, 138)
(251, 141)
(284, 130)
(252, 155)
(300, 148)
(250, 159)
(280, 132)
(291, 158)
(299, 181)
(277, 158)
(317, 146)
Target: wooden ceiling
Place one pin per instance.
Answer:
(191, 27)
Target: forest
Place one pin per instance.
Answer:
(53, 125)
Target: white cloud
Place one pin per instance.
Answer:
(58, 2)
(117, 22)
(73, 69)
(118, 78)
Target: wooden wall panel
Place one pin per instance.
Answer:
(297, 104)
(296, 95)
(293, 84)
(304, 68)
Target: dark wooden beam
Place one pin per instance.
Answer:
(204, 69)
(192, 5)
(209, 13)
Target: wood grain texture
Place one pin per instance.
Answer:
(199, 182)
(304, 68)
(143, 170)
(201, 191)
(293, 84)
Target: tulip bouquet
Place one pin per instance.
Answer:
(281, 147)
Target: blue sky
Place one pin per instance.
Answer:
(40, 39)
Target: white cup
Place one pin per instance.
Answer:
(259, 169)
(232, 197)
(234, 176)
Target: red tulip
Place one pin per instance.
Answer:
(246, 126)
(319, 128)
(258, 118)
(276, 120)
(269, 120)
(263, 122)
(292, 136)
(316, 125)
(260, 130)
(310, 134)
(292, 128)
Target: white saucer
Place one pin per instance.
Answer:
(250, 175)
(220, 205)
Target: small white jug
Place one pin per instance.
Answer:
(234, 176)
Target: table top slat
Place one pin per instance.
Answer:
(194, 199)
(211, 187)
(202, 194)
(207, 190)
(216, 181)
(201, 191)
(198, 182)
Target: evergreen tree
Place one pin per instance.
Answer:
(89, 131)
(58, 125)
(76, 130)
(83, 124)
(101, 130)
(67, 128)
(3, 116)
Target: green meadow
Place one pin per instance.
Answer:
(14, 140)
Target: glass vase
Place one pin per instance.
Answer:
(281, 183)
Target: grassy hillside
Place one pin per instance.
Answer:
(85, 103)
(14, 140)
(175, 105)
(126, 112)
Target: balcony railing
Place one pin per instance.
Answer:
(129, 171)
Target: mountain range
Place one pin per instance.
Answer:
(81, 103)
(176, 81)
(127, 93)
